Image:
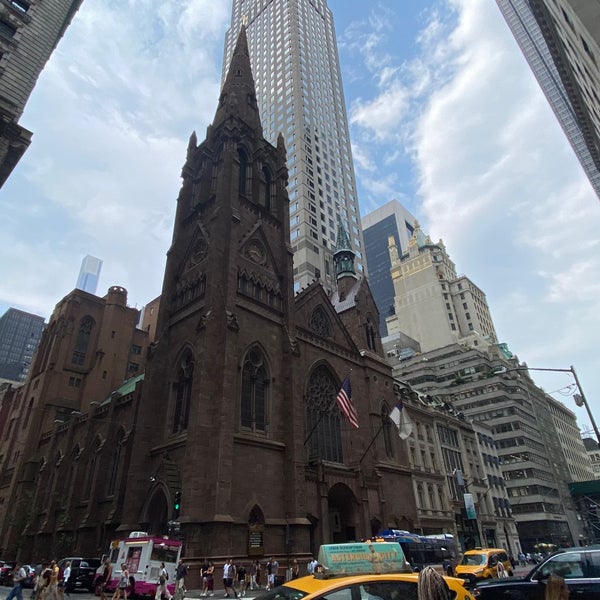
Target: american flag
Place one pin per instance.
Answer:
(344, 400)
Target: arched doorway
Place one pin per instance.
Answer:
(343, 521)
(157, 512)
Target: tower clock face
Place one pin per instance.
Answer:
(256, 252)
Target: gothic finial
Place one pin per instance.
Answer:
(244, 20)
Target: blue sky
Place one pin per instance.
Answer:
(444, 114)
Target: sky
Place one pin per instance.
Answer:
(445, 116)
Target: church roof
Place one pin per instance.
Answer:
(349, 300)
(238, 95)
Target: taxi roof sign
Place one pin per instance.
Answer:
(357, 558)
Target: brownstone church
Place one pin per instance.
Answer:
(236, 412)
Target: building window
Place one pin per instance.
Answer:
(319, 323)
(255, 391)
(114, 466)
(7, 30)
(83, 340)
(243, 158)
(183, 392)
(135, 349)
(388, 431)
(268, 188)
(323, 417)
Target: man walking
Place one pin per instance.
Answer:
(180, 578)
(19, 577)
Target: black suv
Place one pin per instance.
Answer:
(579, 567)
(83, 572)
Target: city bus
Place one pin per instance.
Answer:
(438, 550)
(143, 553)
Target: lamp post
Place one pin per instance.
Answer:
(580, 399)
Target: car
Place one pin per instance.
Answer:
(483, 563)
(360, 571)
(7, 572)
(83, 572)
(578, 566)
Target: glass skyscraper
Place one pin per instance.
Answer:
(293, 52)
(521, 18)
(89, 274)
(20, 334)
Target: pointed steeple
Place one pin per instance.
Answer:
(343, 257)
(238, 95)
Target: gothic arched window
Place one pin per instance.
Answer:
(183, 392)
(323, 417)
(370, 332)
(83, 340)
(268, 187)
(388, 434)
(255, 391)
(115, 463)
(243, 158)
(319, 322)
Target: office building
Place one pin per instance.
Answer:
(20, 334)
(295, 64)
(560, 41)
(535, 437)
(591, 447)
(391, 219)
(89, 274)
(433, 305)
(29, 33)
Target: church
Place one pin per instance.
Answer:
(231, 438)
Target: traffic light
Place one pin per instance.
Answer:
(176, 505)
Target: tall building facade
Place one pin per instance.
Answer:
(20, 334)
(389, 220)
(29, 33)
(539, 450)
(89, 274)
(434, 305)
(293, 51)
(560, 41)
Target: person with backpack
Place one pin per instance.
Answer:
(161, 588)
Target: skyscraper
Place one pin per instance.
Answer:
(293, 52)
(560, 42)
(29, 33)
(20, 334)
(391, 219)
(89, 274)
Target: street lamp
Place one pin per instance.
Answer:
(580, 399)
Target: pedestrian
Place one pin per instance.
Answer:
(121, 589)
(252, 573)
(63, 580)
(295, 569)
(228, 577)
(161, 588)
(180, 574)
(556, 588)
(204, 576)
(241, 579)
(45, 583)
(105, 578)
(258, 573)
(210, 573)
(431, 586)
(272, 568)
(311, 566)
(19, 577)
(52, 587)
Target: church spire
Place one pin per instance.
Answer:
(343, 257)
(238, 95)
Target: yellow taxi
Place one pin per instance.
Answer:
(484, 563)
(360, 571)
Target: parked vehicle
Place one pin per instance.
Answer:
(578, 566)
(83, 572)
(7, 572)
(143, 554)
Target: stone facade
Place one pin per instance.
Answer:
(236, 412)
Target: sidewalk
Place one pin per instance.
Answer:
(220, 594)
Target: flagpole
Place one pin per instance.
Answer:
(324, 412)
(373, 440)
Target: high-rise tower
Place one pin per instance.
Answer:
(29, 32)
(560, 42)
(294, 58)
(89, 274)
